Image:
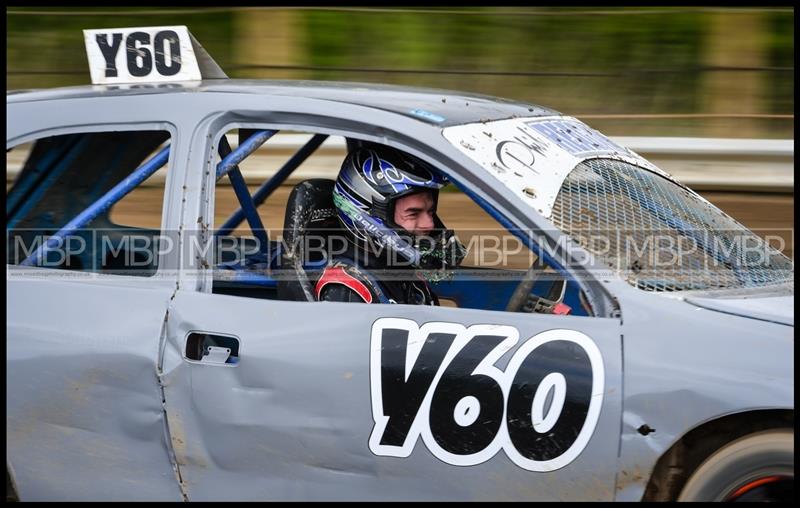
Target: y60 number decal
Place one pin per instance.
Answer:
(136, 55)
(439, 381)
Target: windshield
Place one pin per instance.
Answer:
(631, 215)
(660, 236)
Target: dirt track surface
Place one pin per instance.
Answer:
(766, 213)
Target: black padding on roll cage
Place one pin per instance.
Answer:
(309, 210)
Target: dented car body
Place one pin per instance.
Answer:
(334, 401)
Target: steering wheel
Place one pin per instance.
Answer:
(520, 295)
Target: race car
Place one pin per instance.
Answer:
(643, 350)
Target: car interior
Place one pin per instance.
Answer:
(288, 269)
(64, 176)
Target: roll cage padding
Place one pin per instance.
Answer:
(309, 209)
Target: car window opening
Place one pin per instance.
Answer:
(256, 255)
(62, 205)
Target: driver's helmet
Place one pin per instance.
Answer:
(369, 184)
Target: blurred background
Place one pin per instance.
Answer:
(637, 73)
(661, 71)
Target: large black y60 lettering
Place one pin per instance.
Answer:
(481, 409)
(541, 409)
(570, 361)
(402, 398)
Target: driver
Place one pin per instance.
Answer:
(394, 243)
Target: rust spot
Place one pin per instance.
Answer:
(629, 478)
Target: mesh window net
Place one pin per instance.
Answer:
(659, 236)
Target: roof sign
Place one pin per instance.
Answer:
(147, 55)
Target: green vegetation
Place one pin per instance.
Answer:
(581, 61)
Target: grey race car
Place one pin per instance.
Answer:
(194, 376)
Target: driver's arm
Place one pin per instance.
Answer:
(339, 293)
(337, 285)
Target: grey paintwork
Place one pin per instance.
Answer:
(84, 415)
(777, 309)
(291, 420)
(685, 365)
(111, 346)
(454, 107)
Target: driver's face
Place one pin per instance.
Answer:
(414, 213)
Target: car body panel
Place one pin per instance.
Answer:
(777, 309)
(695, 370)
(298, 424)
(85, 420)
(451, 107)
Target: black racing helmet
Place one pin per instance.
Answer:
(370, 182)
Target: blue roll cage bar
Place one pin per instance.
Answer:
(101, 205)
(229, 165)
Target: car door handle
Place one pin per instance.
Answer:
(212, 348)
(216, 354)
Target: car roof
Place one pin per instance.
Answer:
(441, 107)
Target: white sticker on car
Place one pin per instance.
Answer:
(533, 156)
(440, 382)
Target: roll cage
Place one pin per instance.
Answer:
(251, 274)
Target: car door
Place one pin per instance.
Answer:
(271, 399)
(85, 420)
(335, 401)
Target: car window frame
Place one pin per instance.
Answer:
(603, 304)
(167, 262)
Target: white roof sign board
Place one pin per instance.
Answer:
(145, 54)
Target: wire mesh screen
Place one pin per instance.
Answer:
(659, 236)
